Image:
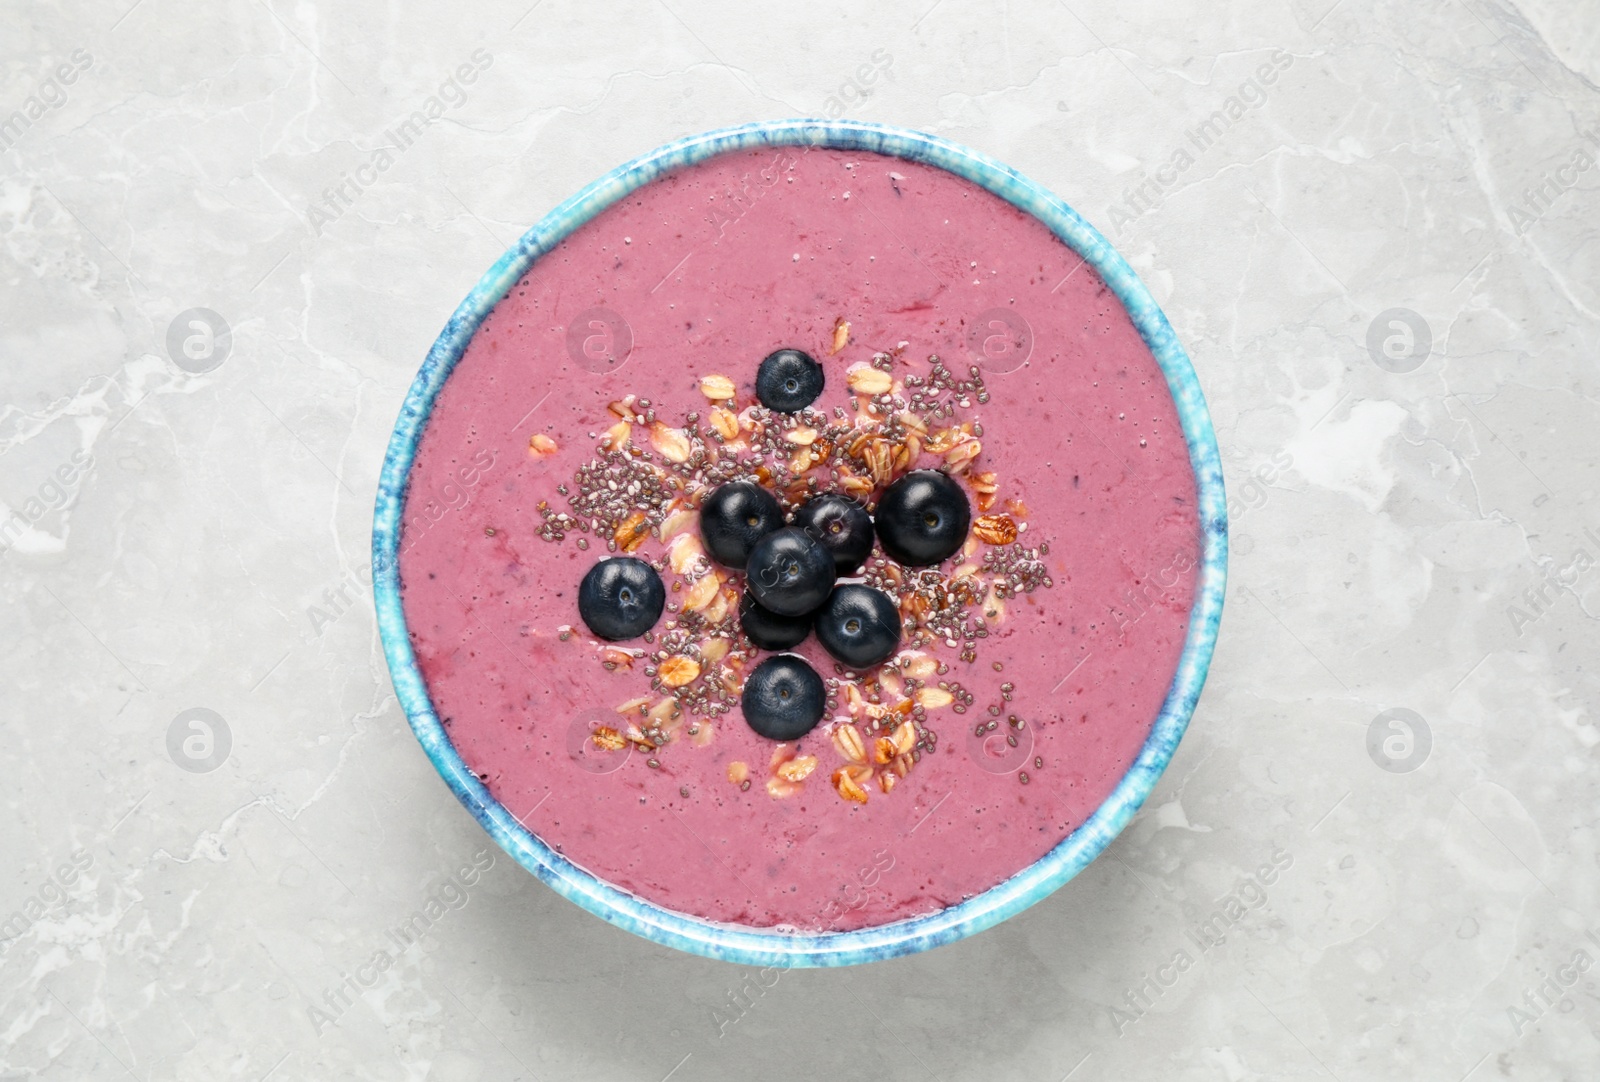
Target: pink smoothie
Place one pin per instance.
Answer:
(703, 273)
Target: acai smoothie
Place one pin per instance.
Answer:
(806, 542)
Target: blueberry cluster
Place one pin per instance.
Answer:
(792, 588)
(792, 572)
(792, 568)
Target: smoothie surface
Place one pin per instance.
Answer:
(704, 272)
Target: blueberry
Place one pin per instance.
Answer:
(783, 698)
(842, 526)
(859, 626)
(788, 381)
(789, 572)
(734, 518)
(922, 518)
(767, 629)
(621, 598)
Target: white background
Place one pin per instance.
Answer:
(1397, 524)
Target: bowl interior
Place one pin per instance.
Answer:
(752, 946)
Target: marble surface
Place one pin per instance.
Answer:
(1375, 853)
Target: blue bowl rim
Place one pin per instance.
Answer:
(748, 946)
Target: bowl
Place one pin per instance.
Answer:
(753, 946)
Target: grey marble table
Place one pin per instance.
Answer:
(1375, 855)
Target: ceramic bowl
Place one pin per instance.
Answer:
(751, 946)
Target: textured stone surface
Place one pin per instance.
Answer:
(1411, 536)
